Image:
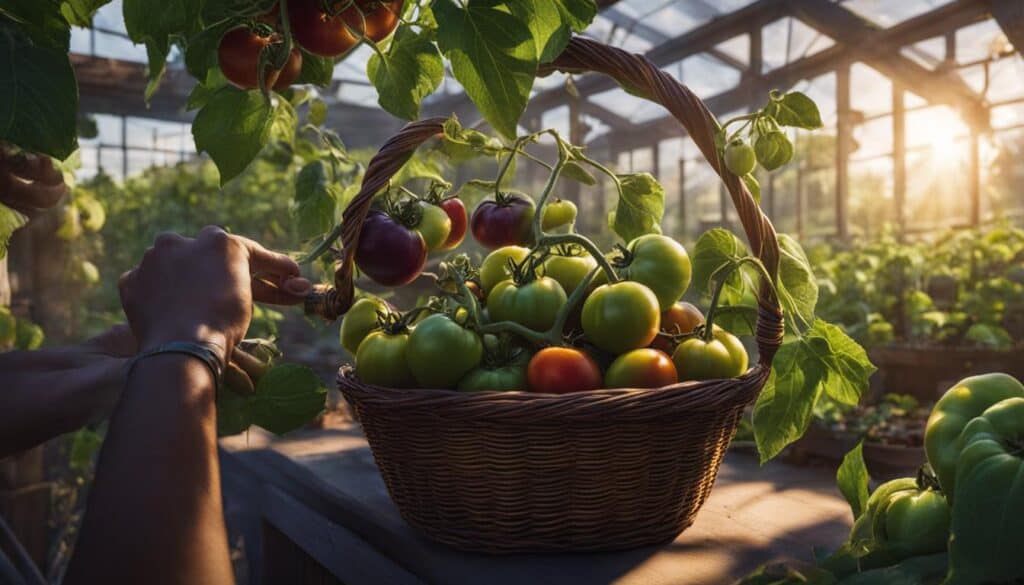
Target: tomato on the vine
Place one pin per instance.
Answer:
(722, 357)
(620, 317)
(374, 19)
(388, 252)
(680, 318)
(441, 351)
(505, 221)
(559, 213)
(317, 31)
(659, 263)
(569, 265)
(434, 225)
(641, 368)
(500, 377)
(560, 370)
(739, 157)
(361, 319)
(495, 268)
(456, 211)
(381, 360)
(534, 304)
(239, 57)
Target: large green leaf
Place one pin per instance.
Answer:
(797, 284)
(316, 70)
(715, 250)
(39, 96)
(201, 52)
(147, 21)
(641, 206)
(410, 70)
(550, 33)
(794, 109)
(852, 479)
(41, 20)
(783, 410)
(80, 12)
(492, 54)
(10, 220)
(578, 14)
(234, 125)
(849, 369)
(287, 397)
(316, 200)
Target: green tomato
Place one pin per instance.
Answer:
(434, 225)
(534, 305)
(441, 352)
(557, 214)
(988, 515)
(641, 368)
(381, 360)
(916, 521)
(967, 399)
(570, 268)
(661, 264)
(721, 357)
(498, 378)
(740, 158)
(360, 321)
(495, 266)
(620, 317)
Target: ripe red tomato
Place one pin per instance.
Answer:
(380, 18)
(318, 32)
(681, 317)
(456, 211)
(388, 252)
(505, 221)
(560, 370)
(239, 58)
(641, 368)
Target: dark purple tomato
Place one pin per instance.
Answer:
(388, 252)
(506, 221)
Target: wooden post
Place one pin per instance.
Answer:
(974, 176)
(899, 158)
(844, 133)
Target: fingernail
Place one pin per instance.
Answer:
(297, 286)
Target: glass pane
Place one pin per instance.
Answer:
(870, 91)
(887, 12)
(871, 196)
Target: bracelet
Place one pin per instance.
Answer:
(204, 352)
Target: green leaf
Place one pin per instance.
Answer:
(10, 220)
(773, 150)
(80, 12)
(550, 34)
(852, 479)
(27, 335)
(794, 109)
(39, 99)
(410, 70)
(753, 186)
(990, 336)
(317, 112)
(737, 319)
(641, 206)
(492, 55)
(849, 369)
(573, 170)
(235, 125)
(41, 20)
(157, 57)
(287, 397)
(715, 249)
(784, 408)
(462, 144)
(316, 200)
(84, 445)
(419, 167)
(201, 52)
(218, 10)
(316, 70)
(912, 571)
(234, 413)
(578, 14)
(797, 284)
(147, 21)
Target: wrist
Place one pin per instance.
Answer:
(201, 334)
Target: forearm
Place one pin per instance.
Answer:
(157, 483)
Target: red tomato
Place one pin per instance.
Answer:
(388, 252)
(560, 370)
(504, 222)
(681, 317)
(239, 57)
(456, 211)
(381, 18)
(318, 32)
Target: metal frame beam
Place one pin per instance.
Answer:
(1010, 16)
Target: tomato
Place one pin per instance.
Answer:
(558, 214)
(441, 352)
(533, 304)
(967, 399)
(318, 32)
(740, 158)
(380, 18)
(641, 368)
(506, 221)
(620, 317)
(559, 370)
(569, 265)
(434, 225)
(661, 264)
(388, 252)
(722, 357)
(903, 515)
(498, 377)
(682, 317)
(360, 321)
(494, 268)
(239, 56)
(456, 211)
(381, 360)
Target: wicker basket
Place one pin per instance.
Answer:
(601, 470)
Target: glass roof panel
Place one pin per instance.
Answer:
(928, 53)
(737, 47)
(889, 12)
(871, 91)
(979, 41)
(790, 39)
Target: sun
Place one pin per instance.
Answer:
(941, 131)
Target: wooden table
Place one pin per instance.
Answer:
(312, 508)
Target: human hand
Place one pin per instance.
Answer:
(202, 289)
(29, 183)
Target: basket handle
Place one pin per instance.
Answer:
(640, 77)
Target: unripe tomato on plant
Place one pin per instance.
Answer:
(680, 318)
(495, 269)
(456, 211)
(239, 55)
(506, 221)
(388, 252)
(442, 351)
(361, 320)
(620, 317)
(659, 263)
(569, 265)
(560, 370)
(434, 225)
(740, 158)
(559, 213)
(722, 357)
(498, 377)
(641, 368)
(903, 514)
(381, 360)
(533, 304)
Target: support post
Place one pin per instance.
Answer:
(799, 203)
(899, 158)
(844, 142)
(974, 176)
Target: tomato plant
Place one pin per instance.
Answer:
(560, 370)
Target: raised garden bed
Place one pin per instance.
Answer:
(927, 371)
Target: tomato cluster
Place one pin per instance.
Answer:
(546, 317)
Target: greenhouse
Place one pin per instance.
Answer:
(512, 291)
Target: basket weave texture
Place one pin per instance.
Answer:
(505, 472)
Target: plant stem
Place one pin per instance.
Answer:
(586, 244)
(534, 337)
(574, 299)
(505, 164)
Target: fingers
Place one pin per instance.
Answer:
(39, 169)
(291, 292)
(30, 198)
(262, 260)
